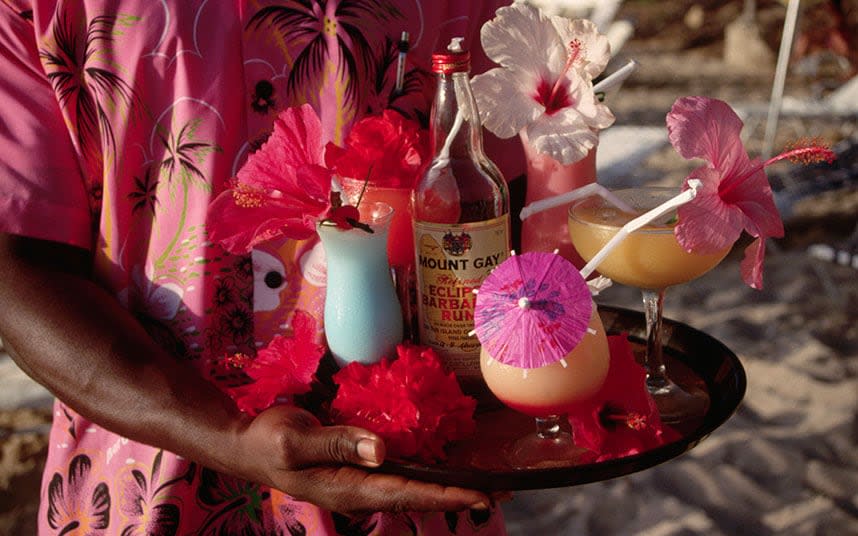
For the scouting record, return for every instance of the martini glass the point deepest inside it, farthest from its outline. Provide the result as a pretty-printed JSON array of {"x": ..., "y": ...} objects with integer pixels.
[
  {"x": 547, "y": 393},
  {"x": 652, "y": 260}
]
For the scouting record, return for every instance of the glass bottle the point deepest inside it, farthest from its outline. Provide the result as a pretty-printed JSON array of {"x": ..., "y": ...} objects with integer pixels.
[{"x": 460, "y": 209}]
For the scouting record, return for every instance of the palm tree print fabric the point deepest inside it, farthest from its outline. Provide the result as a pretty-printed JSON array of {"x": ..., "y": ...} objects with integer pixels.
[{"x": 121, "y": 120}]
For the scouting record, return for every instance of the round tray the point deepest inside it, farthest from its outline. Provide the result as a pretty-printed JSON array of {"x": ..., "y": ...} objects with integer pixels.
[{"x": 691, "y": 357}]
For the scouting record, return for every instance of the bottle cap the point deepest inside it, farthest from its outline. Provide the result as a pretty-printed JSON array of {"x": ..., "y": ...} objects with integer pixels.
[{"x": 454, "y": 60}]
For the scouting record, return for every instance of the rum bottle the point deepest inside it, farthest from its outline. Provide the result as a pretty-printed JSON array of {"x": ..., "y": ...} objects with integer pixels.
[{"x": 460, "y": 208}]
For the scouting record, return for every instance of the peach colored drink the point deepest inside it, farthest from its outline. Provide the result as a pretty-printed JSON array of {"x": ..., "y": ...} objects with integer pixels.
[
  {"x": 552, "y": 389},
  {"x": 649, "y": 258}
]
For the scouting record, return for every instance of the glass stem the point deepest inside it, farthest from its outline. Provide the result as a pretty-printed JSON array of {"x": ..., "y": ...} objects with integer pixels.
[
  {"x": 548, "y": 427},
  {"x": 653, "y": 301}
]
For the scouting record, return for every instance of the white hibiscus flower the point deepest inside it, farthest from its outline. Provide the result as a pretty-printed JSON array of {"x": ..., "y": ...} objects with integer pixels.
[{"x": 544, "y": 85}]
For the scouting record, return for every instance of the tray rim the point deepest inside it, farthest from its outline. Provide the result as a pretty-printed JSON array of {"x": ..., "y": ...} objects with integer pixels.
[{"x": 544, "y": 478}]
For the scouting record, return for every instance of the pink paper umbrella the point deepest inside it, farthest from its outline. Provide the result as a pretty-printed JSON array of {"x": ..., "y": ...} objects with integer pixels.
[{"x": 532, "y": 310}]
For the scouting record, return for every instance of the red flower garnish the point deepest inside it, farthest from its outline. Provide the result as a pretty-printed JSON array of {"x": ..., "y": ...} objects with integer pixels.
[
  {"x": 343, "y": 217},
  {"x": 736, "y": 194},
  {"x": 388, "y": 148},
  {"x": 622, "y": 419},
  {"x": 411, "y": 402},
  {"x": 282, "y": 190},
  {"x": 285, "y": 367}
]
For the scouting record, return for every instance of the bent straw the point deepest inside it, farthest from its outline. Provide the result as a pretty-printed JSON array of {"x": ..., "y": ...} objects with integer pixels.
[
  {"x": 616, "y": 78},
  {"x": 577, "y": 193},
  {"x": 443, "y": 158},
  {"x": 598, "y": 284},
  {"x": 694, "y": 186}
]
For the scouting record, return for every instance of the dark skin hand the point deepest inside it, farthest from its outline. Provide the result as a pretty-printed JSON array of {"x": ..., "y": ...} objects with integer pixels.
[{"x": 74, "y": 338}]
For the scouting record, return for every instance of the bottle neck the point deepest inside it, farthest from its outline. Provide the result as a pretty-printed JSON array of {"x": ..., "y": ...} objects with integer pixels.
[{"x": 454, "y": 125}]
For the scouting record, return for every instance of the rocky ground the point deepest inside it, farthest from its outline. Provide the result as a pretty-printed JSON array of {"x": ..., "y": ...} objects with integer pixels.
[{"x": 787, "y": 462}]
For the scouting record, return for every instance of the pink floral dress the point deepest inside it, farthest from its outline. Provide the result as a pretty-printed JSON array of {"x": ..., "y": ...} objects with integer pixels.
[{"x": 121, "y": 120}]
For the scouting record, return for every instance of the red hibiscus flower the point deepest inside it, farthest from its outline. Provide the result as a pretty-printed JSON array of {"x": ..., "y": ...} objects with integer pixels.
[
  {"x": 411, "y": 402},
  {"x": 388, "y": 148},
  {"x": 622, "y": 419},
  {"x": 282, "y": 190}
]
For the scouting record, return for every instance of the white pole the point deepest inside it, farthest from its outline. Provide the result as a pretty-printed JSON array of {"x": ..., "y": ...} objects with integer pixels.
[{"x": 780, "y": 78}]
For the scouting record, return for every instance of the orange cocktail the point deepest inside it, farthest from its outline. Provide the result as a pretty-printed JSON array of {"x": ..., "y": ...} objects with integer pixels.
[
  {"x": 651, "y": 259},
  {"x": 648, "y": 258}
]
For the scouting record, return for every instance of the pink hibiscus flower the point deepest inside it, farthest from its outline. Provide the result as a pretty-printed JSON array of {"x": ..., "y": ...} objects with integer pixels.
[
  {"x": 544, "y": 84},
  {"x": 736, "y": 194}
]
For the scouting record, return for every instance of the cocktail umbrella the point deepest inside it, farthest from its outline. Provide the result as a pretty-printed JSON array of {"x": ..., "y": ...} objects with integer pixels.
[{"x": 532, "y": 310}]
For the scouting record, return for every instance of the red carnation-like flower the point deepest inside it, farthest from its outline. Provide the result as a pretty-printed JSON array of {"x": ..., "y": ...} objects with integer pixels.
[
  {"x": 388, "y": 148},
  {"x": 411, "y": 402},
  {"x": 286, "y": 367}
]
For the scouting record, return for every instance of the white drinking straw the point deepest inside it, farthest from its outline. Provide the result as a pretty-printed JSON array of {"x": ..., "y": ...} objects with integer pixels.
[
  {"x": 694, "y": 186},
  {"x": 443, "y": 158},
  {"x": 568, "y": 197},
  {"x": 616, "y": 78},
  {"x": 598, "y": 284}
]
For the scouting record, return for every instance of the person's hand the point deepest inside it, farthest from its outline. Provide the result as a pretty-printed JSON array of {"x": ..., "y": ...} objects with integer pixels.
[{"x": 287, "y": 448}]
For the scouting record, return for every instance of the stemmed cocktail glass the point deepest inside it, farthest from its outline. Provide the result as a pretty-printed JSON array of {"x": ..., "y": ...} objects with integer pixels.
[
  {"x": 548, "y": 393},
  {"x": 544, "y": 350},
  {"x": 652, "y": 260}
]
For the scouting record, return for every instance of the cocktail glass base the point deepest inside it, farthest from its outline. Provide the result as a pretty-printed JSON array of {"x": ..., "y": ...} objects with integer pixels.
[
  {"x": 549, "y": 446},
  {"x": 678, "y": 403}
]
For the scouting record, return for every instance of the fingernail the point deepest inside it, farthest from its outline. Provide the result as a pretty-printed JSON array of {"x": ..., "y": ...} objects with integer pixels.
[
  {"x": 479, "y": 506},
  {"x": 367, "y": 449}
]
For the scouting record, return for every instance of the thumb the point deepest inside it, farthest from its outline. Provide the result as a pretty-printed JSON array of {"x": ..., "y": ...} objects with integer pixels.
[{"x": 323, "y": 445}]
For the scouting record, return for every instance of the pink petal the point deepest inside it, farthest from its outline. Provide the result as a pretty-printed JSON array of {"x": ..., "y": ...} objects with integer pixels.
[
  {"x": 752, "y": 264},
  {"x": 240, "y": 229},
  {"x": 564, "y": 136},
  {"x": 505, "y": 100},
  {"x": 295, "y": 142},
  {"x": 521, "y": 36},
  {"x": 597, "y": 115},
  {"x": 700, "y": 127},
  {"x": 707, "y": 224},
  {"x": 753, "y": 196},
  {"x": 596, "y": 47}
]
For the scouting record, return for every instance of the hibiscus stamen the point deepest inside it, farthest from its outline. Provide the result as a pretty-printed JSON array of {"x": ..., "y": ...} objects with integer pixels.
[
  {"x": 613, "y": 415},
  {"x": 576, "y": 50},
  {"x": 632, "y": 420},
  {"x": 247, "y": 196},
  {"x": 806, "y": 151},
  {"x": 237, "y": 361}
]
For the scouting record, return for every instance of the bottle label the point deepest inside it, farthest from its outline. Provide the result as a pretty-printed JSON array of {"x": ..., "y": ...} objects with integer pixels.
[{"x": 452, "y": 261}]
